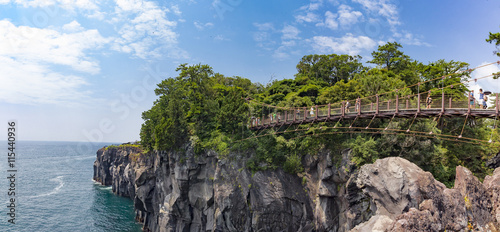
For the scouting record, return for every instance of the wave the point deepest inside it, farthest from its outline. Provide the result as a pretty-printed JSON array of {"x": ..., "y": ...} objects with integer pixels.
[
  {"x": 85, "y": 157},
  {"x": 57, "y": 189},
  {"x": 102, "y": 187}
]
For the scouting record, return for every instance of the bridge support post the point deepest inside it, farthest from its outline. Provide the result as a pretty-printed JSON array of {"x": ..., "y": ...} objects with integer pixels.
[
  {"x": 496, "y": 105},
  {"x": 442, "y": 102},
  {"x": 359, "y": 106},
  {"x": 305, "y": 113},
  {"x": 407, "y": 102},
  {"x": 329, "y": 110},
  {"x": 343, "y": 109},
  {"x": 317, "y": 113},
  {"x": 376, "y": 110},
  {"x": 397, "y": 102},
  {"x": 450, "y": 103},
  {"x": 418, "y": 103},
  {"x": 294, "y": 114},
  {"x": 468, "y": 104}
]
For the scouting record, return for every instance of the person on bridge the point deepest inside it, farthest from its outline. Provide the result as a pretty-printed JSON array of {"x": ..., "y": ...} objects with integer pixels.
[
  {"x": 472, "y": 100},
  {"x": 358, "y": 104},
  {"x": 481, "y": 98},
  {"x": 484, "y": 102},
  {"x": 312, "y": 112},
  {"x": 428, "y": 101},
  {"x": 347, "y": 105}
]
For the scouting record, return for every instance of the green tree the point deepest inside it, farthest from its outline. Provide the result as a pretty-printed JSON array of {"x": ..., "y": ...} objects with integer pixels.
[
  {"x": 455, "y": 72},
  {"x": 388, "y": 56},
  {"x": 341, "y": 91},
  {"x": 494, "y": 38},
  {"x": 330, "y": 68}
]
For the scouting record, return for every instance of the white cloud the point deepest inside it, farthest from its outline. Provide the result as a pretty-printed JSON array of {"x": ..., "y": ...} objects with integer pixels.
[
  {"x": 263, "y": 35},
  {"x": 409, "y": 39},
  {"x": 345, "y": 45},
  {"x": 4, "y": 2},
  {"x": 26, "y": 82},
  {"x": 288, "y": 43},
  {"x": 175, "y": 9},
  {"x": 221, "y": 38},
  {"x": 281, "y": 53},
  {"x": 314, "y": 5},
  {"x": 50, "y": 46},
  {"x": 74, "y": 26},
  {"x": 264, "y": 26},
  {"x": 149, "y": 33},
  {"x": 330, "y": 21},
  {"x": 309, "y": 17},
  {"x": 28, "y": 57},
  {"x": 290, "y": 32},
  {"x": 383, "y": 8},
  {"x": 347, "y": 16},
  {"x": 66, "y": 4},
  {"x": 203, "y": 26}
]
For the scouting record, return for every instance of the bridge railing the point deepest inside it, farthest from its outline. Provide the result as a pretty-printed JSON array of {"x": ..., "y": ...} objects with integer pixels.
[{"x": 371, "y": 105}]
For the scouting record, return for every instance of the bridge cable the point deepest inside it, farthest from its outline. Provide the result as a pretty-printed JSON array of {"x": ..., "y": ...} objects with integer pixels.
[
  {"x": 463, "y": 127},
  {"x": 388, "y": 133},
  {"x": 388, "y": 124},
  {"x": 402, "y": 132},
  {"x": 353, "y": 121},
  {"x": 408, "y": 130},
  {"x": 372, "y": 121},
  {"x": 493, "y": 129}
]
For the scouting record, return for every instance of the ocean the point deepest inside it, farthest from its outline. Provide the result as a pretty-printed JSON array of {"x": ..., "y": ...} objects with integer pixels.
[{"x": 55, "y": 191}]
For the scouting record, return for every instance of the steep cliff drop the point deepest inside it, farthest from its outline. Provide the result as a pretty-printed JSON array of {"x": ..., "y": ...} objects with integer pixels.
[{"x": 181, "y": 191}]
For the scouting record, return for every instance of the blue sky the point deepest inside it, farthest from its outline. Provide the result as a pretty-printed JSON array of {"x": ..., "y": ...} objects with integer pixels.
[{"x": 84, "y": 70}]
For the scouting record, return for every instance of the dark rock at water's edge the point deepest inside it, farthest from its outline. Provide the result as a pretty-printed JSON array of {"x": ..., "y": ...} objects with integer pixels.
[{"x": 181, "y": 191}]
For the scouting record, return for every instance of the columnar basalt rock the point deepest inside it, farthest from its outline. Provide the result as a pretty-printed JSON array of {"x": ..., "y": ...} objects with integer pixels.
[{"x": 181, "y": 191}]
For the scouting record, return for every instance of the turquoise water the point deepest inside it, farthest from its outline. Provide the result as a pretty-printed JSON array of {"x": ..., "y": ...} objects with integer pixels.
[{"x": 55, "y": 191}]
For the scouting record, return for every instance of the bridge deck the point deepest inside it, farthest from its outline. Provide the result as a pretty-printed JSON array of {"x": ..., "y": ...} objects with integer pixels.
[{"x": 404, "y": 113}]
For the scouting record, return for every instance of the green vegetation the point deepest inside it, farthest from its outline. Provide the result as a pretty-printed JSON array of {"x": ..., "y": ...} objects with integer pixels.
[
  {"x": 494, "y": 38},
  {"x": 138, "y": 146},
  {"x": 209, "y": 110}
]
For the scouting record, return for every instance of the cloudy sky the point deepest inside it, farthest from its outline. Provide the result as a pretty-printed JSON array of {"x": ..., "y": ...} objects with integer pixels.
[{"x": 84, "y": 70}]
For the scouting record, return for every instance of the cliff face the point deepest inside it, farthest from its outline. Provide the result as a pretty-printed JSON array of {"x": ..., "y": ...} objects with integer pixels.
[{"x": 188, "y": 192}]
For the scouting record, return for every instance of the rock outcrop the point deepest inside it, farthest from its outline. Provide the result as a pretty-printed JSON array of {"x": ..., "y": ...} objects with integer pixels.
[{"x": 181, "y": 191}]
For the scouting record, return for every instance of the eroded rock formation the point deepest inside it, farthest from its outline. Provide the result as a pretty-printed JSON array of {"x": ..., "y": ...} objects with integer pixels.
[{"x": 181, "y": 191}]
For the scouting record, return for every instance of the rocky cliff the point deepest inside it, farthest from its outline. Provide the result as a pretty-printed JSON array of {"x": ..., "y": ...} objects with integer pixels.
[{"x": 181, "y": 191}]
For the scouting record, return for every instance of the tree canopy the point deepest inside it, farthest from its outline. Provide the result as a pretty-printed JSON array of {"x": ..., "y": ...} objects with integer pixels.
[{"x": 210, "y": 111}]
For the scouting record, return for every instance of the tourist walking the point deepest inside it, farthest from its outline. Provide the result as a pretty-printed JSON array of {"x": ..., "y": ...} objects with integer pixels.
[
  {"x": 481, "y": 98},
  {"x": 428, "y": 100},
  {"x": 471, "y": 99},
  {"x": 347, "y": 105}
]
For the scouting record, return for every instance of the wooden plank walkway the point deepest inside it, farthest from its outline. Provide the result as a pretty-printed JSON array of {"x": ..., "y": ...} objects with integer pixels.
[
  {"x": 387, "y": 109},
  {"x": 424, "y": 113}
]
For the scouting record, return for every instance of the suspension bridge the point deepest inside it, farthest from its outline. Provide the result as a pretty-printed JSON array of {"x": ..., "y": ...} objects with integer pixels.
[{"x": 434, "y": 103}]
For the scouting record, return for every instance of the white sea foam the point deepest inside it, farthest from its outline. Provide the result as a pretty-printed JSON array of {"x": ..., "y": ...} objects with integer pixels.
[
  {"x": 85, "y": 157},
  {"x": 57, "y": 189}
]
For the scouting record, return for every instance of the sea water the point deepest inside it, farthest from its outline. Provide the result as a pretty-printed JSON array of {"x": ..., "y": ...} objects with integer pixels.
[{"x": 55, "y": 190}]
